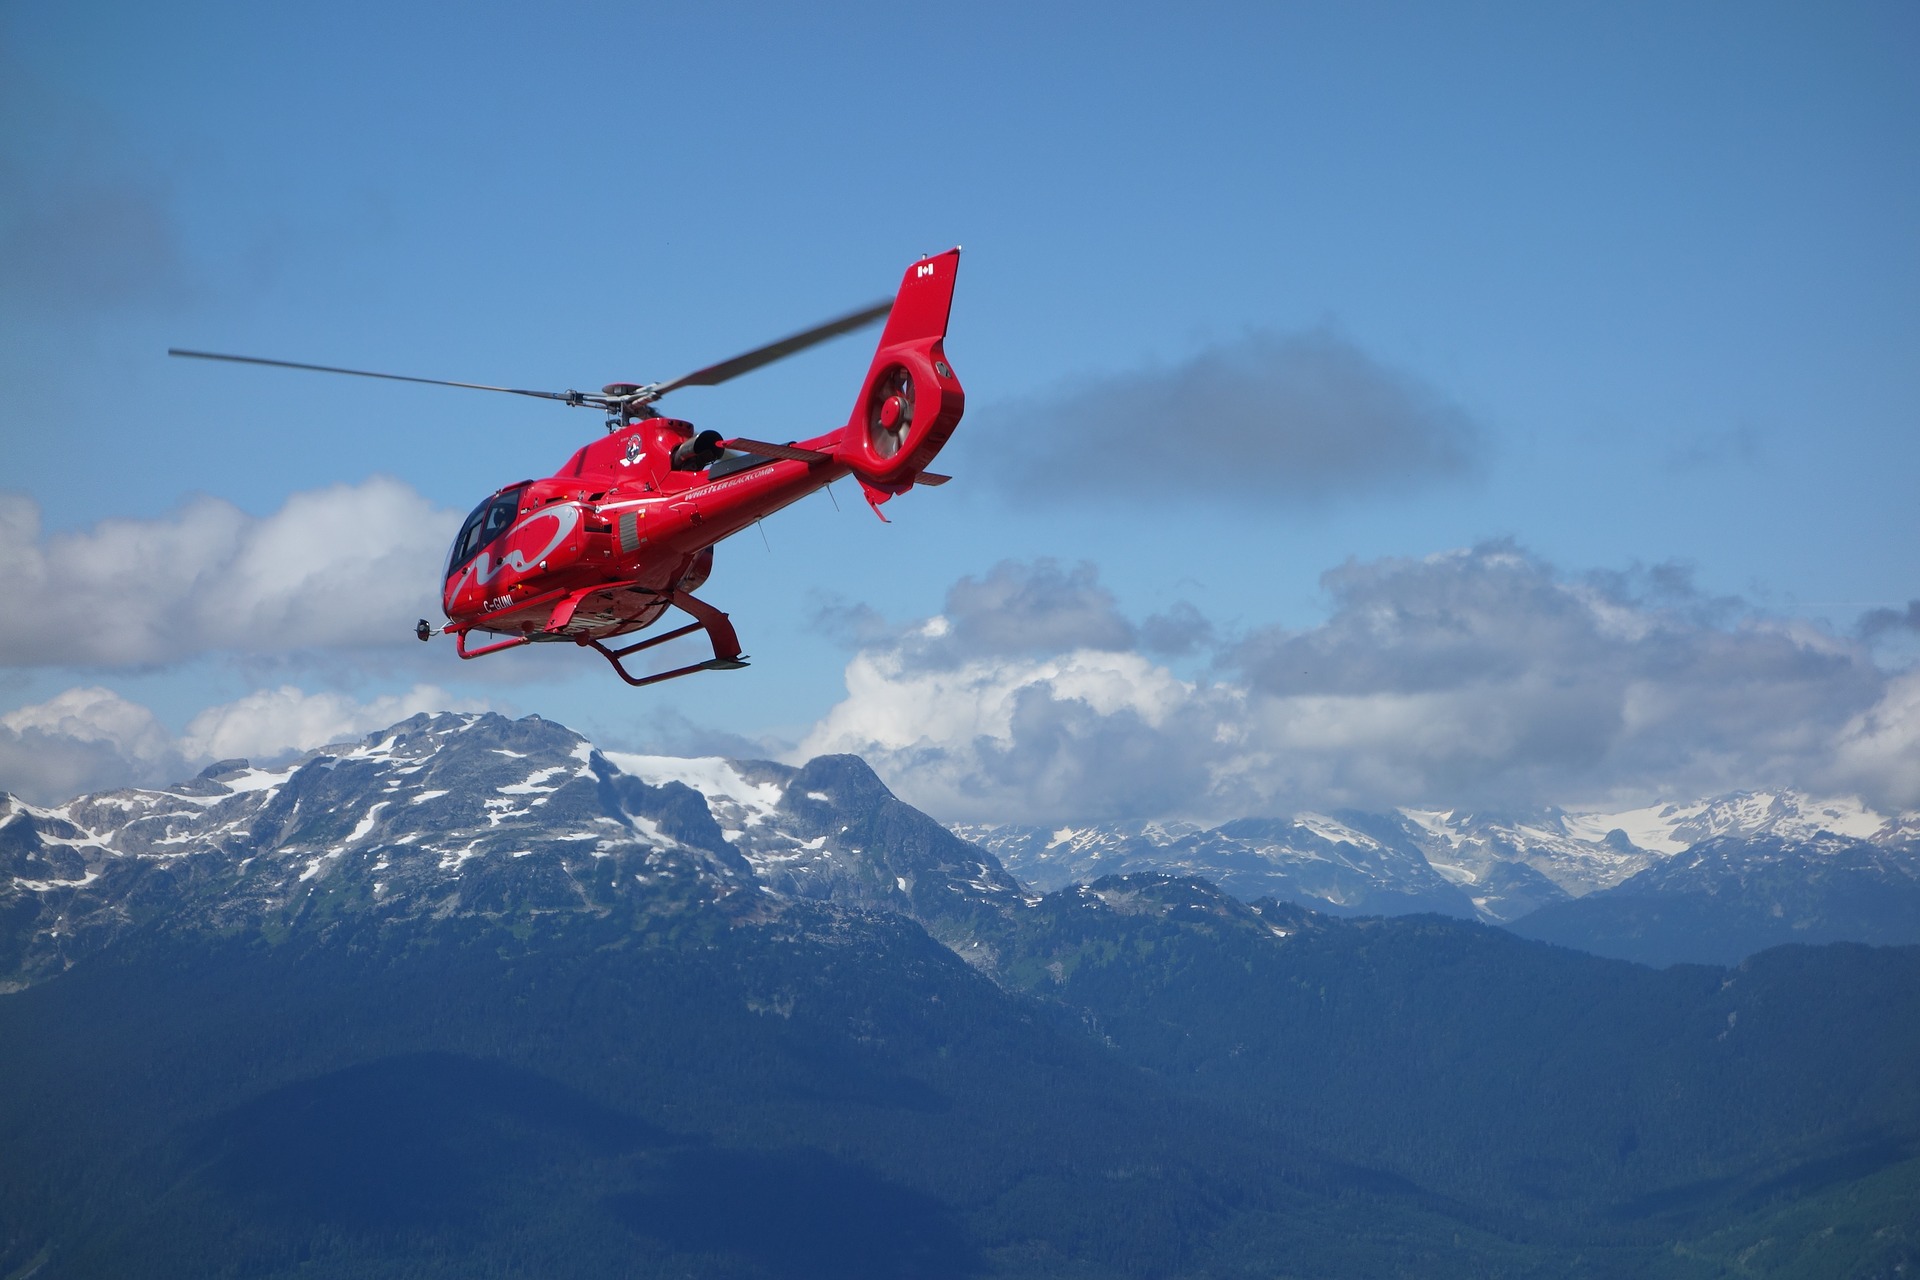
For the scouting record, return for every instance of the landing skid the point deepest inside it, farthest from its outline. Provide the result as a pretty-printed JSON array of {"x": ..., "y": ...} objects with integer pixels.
[{"x": 726, "y": 645}]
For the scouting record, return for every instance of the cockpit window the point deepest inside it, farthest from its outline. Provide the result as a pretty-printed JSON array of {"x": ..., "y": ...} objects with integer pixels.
[{"x": 489, "y": 520}]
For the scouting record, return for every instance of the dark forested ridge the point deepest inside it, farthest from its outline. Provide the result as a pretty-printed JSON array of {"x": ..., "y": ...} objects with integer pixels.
[{"x": 463, "y": 1041}]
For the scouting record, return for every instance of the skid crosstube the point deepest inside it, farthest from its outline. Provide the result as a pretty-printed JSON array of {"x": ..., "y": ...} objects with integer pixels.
[{"x": 726, "y": 645}]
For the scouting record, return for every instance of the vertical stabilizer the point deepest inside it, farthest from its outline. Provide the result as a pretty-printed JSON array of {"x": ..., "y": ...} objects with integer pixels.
[{"x": 911, "y": 400}]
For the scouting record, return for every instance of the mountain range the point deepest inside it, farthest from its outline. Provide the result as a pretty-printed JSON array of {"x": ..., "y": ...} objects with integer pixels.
[
  {"x": 472, "y": 997},
  {"x": 1709, "y": 881}
]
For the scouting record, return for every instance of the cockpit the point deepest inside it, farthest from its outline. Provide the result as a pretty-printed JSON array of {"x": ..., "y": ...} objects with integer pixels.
[{"x": 489, "y": 520}]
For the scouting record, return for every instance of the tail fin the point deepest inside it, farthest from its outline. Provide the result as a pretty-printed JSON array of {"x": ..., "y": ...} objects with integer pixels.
[{"x": 911, "y": 401}]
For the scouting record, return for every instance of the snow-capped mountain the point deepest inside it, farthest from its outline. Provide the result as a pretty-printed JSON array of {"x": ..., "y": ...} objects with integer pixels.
[
  {"x": 477, "y": 815},
  {"x": 1584, "y": 851},
  {"x": 831, "y": 831},
  {"x": 1498, "y": 867},
  {"x": 1323, "y": 861},
  {"x": 454, "y": 814}
]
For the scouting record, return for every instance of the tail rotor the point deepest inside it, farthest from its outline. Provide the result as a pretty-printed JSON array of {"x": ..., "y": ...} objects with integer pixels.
[{"x": 890, "y": 411}]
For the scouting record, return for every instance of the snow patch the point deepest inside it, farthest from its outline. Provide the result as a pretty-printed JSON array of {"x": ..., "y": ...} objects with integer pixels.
[
  {"x": 365, "y": 825},
  {"x": 1437, "y": 823},
  {"x": 534, "y": 785},
  {"x": 252, "y": 779},
  {"x": 1333, "y": 832},
  {"x": 453, "y": 860},
  {"x": 1652, "y": 828},
  {"x": 650, "y": 831},
  {"x": 712, "y": 776},
  {"x": 315, "y": 863},
  {"x": 42, "y": 886}
]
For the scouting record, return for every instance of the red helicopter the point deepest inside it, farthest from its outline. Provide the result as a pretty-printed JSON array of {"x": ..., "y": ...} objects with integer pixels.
[{"x": 626, "y": 528}]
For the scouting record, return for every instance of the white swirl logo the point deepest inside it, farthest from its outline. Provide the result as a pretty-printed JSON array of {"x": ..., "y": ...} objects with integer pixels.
[{"x": 484, "y": 569}]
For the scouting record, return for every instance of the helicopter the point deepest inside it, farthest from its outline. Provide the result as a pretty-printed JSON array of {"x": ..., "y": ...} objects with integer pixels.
[{"x": 625, "y": 530}]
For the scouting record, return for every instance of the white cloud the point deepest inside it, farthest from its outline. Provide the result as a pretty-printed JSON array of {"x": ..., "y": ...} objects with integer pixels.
[
  {"x": 85, "y": 739},
  {"x": 1878, "y": 751},
  {"x": 95, "y": 715},
  {"x": 344, "y": 566},
  {"x": 92, "y": 739},
  {"x": 274, "y": 722},
  {"x": 1480, "y": 677}
]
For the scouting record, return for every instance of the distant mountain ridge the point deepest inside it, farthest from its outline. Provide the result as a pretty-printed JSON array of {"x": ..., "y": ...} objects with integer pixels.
[
  {"x": 1729, "y": 897},
  {"x": 1360, "y": 863}
]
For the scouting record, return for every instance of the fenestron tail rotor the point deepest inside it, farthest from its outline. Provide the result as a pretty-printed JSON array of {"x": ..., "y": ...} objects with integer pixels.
[
  {"x": 890, "y": 411},
  {"x": 621, "y": 400}
]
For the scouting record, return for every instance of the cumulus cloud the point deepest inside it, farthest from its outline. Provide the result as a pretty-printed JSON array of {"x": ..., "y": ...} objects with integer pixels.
[
  {"x": 345, "y": 566},
  {"x": 1020, "y": 609},
  {"x": 85, "y": 739},
  {"x": 275, "y": 722},
  {"x": 1299, "y": 416},
  {"x": 1878, "y": 751},
  {"x": 1041, "y": 608},
  {"x": 1491, "y": 678},
  {"x": 92, "y": 739},
  {"x": 1482, "y": 678}
]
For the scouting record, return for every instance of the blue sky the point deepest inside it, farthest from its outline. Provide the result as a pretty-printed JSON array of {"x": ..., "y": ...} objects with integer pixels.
[{"x": 1631, "y": 291}]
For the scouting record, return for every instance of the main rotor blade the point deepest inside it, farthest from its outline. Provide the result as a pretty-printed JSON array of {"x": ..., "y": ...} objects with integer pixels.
[
  {"x": 714, "y": 374},
  {"x": 764, "y": 449},
  {"x": 569, "y": 397}
]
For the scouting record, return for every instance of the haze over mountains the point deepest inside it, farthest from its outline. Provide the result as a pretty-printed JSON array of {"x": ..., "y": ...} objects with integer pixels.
[{"x": 470, "y": 996}]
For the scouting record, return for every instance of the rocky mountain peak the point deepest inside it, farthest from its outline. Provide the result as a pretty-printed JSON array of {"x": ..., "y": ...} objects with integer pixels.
[{"x": 477, "y": 814}]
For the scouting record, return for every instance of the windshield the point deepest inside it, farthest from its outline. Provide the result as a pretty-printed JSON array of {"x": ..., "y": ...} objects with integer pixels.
[{"x": 489, "y": 520}]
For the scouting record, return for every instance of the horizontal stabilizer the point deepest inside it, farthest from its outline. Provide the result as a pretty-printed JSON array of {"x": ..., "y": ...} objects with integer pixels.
[
  {"x": 762, "y": 449},
  {"x": 931, "y": 478}
]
